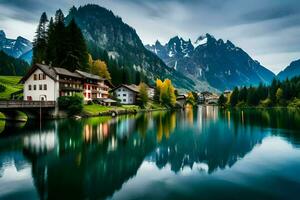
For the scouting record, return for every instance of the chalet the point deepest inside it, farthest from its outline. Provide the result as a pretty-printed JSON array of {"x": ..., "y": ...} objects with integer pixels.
[
  {"x": 94, "y": 87},
  {"x": 127, "y": 94},
  {"x": 47, "y": 83}
]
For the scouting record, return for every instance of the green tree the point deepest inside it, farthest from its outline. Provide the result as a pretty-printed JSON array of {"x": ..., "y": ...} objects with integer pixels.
[
  {"x": 279, "y": 95},
  {"x": 143, "y": 95},
  {"x": 234, "y": 97},
  {"x": 243, "y": 95},
  {"x": 72, "y": 104},
  {"x": 40, "y": 40},
  {"x": 76, "y": 50},
  {"x": 222, "y": 100}
]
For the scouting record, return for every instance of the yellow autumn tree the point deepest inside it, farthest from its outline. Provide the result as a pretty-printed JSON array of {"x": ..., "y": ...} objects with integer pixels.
[
  {"x": 99, "y": 67},
  {"x": 158, "y": 85},
  {"x": 190, "y": 98},
  {"x": 167, "y": 93}
]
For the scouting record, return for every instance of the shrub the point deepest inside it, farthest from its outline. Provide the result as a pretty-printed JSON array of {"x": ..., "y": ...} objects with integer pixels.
[
  {"x": 2, "y": 88},
  {"x": 266, "y": 103},
  {"x": 72, "y": 104}
]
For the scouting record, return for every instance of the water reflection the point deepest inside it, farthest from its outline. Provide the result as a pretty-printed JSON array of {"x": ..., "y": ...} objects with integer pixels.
[{"x": 96, "y": 156}]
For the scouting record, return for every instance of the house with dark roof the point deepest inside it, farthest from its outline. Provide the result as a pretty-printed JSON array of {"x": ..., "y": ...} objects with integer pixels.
[
  {"x": 47, "y": 83},
  {"x": 94, "y": 87},
  {"x": 127, "y": 94}
]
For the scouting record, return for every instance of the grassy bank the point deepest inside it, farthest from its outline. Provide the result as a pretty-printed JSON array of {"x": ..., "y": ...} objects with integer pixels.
[
  {"x": 95, "y": 109},
  {"x": 11, "y": 85}
]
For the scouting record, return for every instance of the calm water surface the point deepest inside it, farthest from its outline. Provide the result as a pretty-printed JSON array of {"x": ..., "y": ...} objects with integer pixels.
[{"x": 205, "y": 153}]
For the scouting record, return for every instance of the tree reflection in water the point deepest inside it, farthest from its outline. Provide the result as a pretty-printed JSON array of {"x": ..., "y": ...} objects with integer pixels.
[{"x": 92, "y": 158}]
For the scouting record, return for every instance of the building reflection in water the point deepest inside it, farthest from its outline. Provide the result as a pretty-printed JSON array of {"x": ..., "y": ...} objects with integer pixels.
[{"x": 94, "y": 157}]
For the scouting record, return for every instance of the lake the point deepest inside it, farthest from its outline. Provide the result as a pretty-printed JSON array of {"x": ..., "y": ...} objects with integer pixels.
[{"x": 203, "y": 153}]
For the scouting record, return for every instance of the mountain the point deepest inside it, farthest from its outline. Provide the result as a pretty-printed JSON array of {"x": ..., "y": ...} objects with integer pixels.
[
  {"x": 10, "y": 66},
  {"x": 27, "y": 56},
  {"x": 290, "y": 71},
  {"x": 221, "y": 64},
  {"x": 105, "y": 31},
  {"x": 15, "y": 47}
]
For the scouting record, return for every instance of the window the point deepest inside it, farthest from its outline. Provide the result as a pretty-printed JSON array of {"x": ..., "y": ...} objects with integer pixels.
[
  {"x": 119, "y": 90},
  {"x": 34, "y": 87},
  {"x": 119, "y": 95},
  {"x": 84, "y": 94},
  {"x": 29, "y": 87},
  {"x": 124, "y": 95},
  {"x": 34, "y": 77},
  {"x": 124, "y": 100},
  {"x": 44, "y": 76},
  {"x": 45, "y": 87},
  {"x": 89, "y": 95},
  {"x": 123, "y": 90},
  {"x": 40, "y": 87}
]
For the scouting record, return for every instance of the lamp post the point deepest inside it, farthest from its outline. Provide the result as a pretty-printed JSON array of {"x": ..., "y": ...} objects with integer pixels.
[{"x": 41, "y": 110}]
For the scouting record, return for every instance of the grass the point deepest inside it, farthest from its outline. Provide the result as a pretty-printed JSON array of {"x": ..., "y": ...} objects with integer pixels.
[
  {"x": 95, "y": 109},
  {"x": 11, "y": 84}
]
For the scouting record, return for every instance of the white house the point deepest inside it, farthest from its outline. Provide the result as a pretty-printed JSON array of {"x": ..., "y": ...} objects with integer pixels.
[
  {"x": 46, "y": 83},
  {"x": 40, "y": 84},
  {"x": 127, "y": 94}
]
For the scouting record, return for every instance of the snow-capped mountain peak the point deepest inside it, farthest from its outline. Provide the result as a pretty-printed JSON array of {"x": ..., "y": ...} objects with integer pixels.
[
  {"x": 14, "y": 47},
  {"x": 200, "y": 41}
]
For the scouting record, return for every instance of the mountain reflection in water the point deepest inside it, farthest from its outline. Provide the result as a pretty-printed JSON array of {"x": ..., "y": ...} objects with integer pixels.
[{"x": 93, "y": 158}]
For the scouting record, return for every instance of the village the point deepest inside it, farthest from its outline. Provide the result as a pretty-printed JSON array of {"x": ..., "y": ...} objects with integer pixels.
[{"x": 47, "y": 83}]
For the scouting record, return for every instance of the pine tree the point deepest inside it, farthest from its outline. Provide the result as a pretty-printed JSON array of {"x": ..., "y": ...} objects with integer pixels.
[
  {"x": 77, "y": 56},
  {"x": 222, "y": 100},
  {"x": 40, "y": 40},
  {"x": 50, "y": 50},
  {"x": 59, "y": 40},
  {"x": 234, "y": 97}
]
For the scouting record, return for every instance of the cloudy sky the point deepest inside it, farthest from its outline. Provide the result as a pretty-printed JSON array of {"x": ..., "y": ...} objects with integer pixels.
[{"x": 269, "y": 30}]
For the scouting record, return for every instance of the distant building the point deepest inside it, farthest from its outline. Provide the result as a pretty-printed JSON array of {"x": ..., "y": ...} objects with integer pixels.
[
  {"x": 208, "y": 97},
  {"x": 227, "y": 93},
  {"x": 151, "y": 92},
  {"x": 127, "y": 94}
]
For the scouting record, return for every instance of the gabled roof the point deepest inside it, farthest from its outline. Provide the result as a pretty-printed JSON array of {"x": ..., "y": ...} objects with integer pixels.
[
  {"x": 65, "y": 72},
  {"x": 49, "y": 71},
  {"x": 88, "y": 75},
  {"x": 133, "y": 88}
]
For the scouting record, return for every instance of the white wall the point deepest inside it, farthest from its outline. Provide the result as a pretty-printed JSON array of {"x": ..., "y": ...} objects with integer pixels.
[
  {"x": 129, "y": 97},
  {"x": 51, "y": 93}
]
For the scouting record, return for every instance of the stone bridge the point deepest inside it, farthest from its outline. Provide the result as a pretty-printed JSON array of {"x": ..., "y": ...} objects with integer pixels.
[{"x": 33, "y": 109}]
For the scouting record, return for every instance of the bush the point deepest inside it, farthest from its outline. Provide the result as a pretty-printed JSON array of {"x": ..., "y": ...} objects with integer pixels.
[
  {"x": 295, "y": 103},
  {"x": 266, "y": 103},
  {"x": 72, "y": 104},
  {"x": 2, "y": 88}
]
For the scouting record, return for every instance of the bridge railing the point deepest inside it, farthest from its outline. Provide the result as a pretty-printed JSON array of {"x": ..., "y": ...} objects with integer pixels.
[{"x": 26, "y": 104}]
